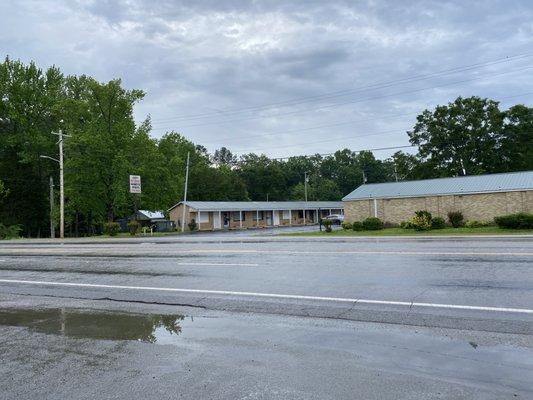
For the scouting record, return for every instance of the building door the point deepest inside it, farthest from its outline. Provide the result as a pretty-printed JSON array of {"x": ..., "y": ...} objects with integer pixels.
[
  {"x": 276, "y": 218},
  {"x": 216, "y": 220},
  {"x": 268, "y": 218},
  {"x": 225, "y": 220}
]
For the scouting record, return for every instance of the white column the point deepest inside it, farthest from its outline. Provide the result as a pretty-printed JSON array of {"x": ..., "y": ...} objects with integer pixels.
[
  {"x": 240, "y": 219},
  {"x": 220, "y": 222},
  {"x": 376, "y": 208},
  {"x": 290, "y": 217},
  {"x": 257, "y": 218},
  {"x": 199, "y": 219},
  {"x": 304, "y": 216}
]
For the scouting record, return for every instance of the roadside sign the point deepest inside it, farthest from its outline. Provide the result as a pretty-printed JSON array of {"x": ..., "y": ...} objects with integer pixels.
[{"x": 135, "y": 184}]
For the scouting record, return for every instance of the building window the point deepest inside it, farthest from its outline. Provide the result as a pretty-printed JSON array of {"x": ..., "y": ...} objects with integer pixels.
[
  {"x": 258, "y": 216},
  {"x": 286, "y": 214},
  {"x": 235, "y": 216},
  {"x": 300, "y": 214},
  {"x": 204, "y": 218}
]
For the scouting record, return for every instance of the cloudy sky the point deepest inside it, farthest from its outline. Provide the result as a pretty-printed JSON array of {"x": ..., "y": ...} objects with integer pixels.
[{"x": 279, "y": 77}]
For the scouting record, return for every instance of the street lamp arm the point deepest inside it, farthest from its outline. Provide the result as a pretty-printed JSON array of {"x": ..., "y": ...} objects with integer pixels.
[{"x": 50, "y": 158}]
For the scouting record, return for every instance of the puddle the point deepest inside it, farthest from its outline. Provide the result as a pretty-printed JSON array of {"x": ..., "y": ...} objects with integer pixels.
[{"x": 90, "y": 325}]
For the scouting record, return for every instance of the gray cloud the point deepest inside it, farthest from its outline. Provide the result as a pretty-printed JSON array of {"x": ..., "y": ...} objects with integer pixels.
[{"x": 206, "y": 64}]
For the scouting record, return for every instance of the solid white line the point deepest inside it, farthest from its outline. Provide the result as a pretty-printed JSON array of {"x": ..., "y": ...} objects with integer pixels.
[
  {"x": 278, "y": 296},
  {"x": 219, "y": 264},
  {"x": 81, "y": 251}
]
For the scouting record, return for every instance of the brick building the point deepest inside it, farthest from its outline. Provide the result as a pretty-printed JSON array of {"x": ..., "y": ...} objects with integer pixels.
[
  {"x": 216, "y": 215},
  {"x": 480, "y": 197}
]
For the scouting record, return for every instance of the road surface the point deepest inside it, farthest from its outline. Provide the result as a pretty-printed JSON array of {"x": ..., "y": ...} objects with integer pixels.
[{"x": 253, "y": 317}]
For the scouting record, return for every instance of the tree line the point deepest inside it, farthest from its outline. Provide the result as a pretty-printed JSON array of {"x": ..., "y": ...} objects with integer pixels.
[{"x": 467, "y": 136}]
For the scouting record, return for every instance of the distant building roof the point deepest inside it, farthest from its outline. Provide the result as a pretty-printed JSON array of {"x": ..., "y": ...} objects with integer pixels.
[
  {"x": 261, "y": 205},
  {"x": 513, "y": 181},
  {"x": 152, "y": 214}
]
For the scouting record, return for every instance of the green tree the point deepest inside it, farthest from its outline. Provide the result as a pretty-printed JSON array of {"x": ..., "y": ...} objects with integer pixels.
[
  {"x": 461, "y": 138},
  {"x": 517, "y": 142},
  {"x": 29, "y": 112},
  {"x": 263, "y": 177},
  {"x": 101, "y": 151}
]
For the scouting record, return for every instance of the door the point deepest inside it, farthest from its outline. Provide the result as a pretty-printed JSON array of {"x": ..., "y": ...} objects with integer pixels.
[
  {"x": 276, "y": 218},
  {"x": 268, "y": 218},
  {"x": 216, "y": 220},
  {"x": 225, "y": 219}
]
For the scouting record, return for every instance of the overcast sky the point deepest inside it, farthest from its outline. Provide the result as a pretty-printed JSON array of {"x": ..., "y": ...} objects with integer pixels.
[{"x": 284, "y": 78}]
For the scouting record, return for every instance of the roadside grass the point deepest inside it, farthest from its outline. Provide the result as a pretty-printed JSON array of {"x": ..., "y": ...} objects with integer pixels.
[{"x": 489, "y": 230}]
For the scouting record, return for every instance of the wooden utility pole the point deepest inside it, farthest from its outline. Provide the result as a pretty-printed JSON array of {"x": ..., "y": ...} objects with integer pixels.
[
  {"x": 185, "y": 193},
  {"x": 52, "y": 228}
]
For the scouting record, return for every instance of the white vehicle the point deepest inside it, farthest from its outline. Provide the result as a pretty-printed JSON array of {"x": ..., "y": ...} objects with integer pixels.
[{"x": 336, "y": 219}]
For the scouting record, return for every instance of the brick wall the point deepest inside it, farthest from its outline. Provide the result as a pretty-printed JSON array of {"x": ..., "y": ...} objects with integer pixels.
[{"x": 483, "y": 207}]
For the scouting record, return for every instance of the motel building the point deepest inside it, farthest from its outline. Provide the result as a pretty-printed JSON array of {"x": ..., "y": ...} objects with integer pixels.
[{"x": 217, "y": 215}]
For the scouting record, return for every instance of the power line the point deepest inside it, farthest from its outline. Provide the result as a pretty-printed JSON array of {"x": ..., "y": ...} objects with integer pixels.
[
  {"x": 344, "y": 137},
  {"x": 353, "y": 151},
  {"x": 386, "y": 117},
  {"x": 377, "y": 85},
  {"x": 352, "y": 101}
]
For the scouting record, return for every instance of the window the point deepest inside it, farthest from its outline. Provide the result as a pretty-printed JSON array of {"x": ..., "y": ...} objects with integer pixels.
[
  {"x": 203, "y": 218},
  {"x": 236, "y": 217},
  {"x": 258, "y": 216},
  {"x": 300, "y": 214},
  {"x": 286, "y": 214}
]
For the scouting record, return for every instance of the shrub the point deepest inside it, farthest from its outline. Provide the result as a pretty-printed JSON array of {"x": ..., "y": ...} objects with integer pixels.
[
  {"x": 111, "y": 228},
  {"x": 133, "y": 227},
  {"x": 421, "y": 221},
  {"x": 192, "y": 225},
  {"x": 476, "y": 224},
  {"x": 456, "y": 218},
  {"x": 515, "y": 221},
  {"x": 9, "y": 232},
  {"x": 388, "y": 224},
  {"x": 358, "y": 226},
  {"x": 346, "y": 226},
  {"x": 327, "y": 224},
  {"x": 372, "y": 224},
  {"x": 406, "y": 225},
  {"x": 438, "y": 223}
]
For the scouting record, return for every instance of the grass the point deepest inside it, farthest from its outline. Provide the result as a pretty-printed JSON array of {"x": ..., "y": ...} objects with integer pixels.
[{"x": 490, "y": 230}]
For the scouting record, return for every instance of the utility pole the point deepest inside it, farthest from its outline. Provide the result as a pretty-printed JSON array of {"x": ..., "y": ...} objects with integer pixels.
[
  {"x": 52, "y": 228},
  {"x": 305, "y": 185},
  {"x": 61, "y": 186},
  {"x": 61, "y": 182},
  {"x": 185, "y": 194}
]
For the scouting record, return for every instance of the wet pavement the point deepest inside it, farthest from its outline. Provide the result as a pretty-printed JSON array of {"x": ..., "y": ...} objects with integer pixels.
[{"x": 254, "y": 317}]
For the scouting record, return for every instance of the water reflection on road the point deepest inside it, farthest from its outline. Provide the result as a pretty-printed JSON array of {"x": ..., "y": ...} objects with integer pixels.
[{"x": 94, "y": 325}]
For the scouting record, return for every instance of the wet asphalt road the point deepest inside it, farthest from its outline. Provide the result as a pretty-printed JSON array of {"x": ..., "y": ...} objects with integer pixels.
[{"x": 269, "y": 317}]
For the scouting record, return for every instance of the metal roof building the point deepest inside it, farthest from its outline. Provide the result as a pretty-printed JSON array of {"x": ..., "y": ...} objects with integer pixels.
[
  {"x": 214, "y": 215},
  {"x": 260, "y": 205},
  {"x": 506, "y": 182},
  {"x": 480, "y": 197}
]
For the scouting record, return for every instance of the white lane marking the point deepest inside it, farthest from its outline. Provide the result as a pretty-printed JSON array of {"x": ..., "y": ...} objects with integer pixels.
[
  {"x": 207, "y": 264},
  {"x": 82, "y": 252},
  {"x": 277, "y": 296}
]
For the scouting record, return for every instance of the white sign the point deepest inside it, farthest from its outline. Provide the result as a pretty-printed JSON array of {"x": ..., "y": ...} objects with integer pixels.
[{"x": 135, "y": 184}]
